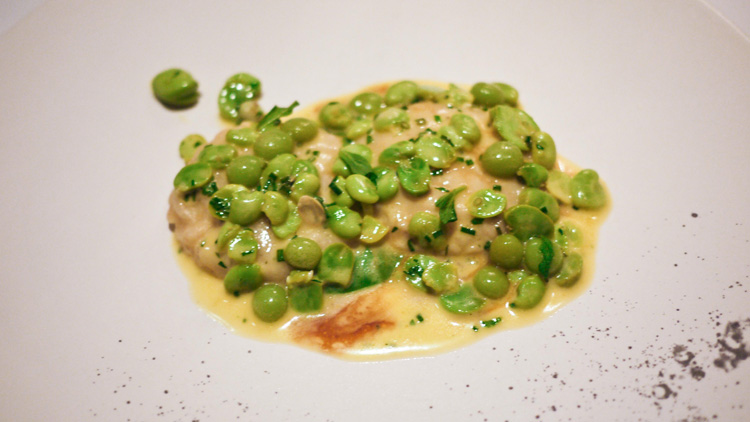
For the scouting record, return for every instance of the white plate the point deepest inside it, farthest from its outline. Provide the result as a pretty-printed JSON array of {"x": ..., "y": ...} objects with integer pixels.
[{"x": 97, "y": 321}]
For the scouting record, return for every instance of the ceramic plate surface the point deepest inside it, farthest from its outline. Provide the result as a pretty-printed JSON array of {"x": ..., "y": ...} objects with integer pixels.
[{"x": 97, "y": 321}]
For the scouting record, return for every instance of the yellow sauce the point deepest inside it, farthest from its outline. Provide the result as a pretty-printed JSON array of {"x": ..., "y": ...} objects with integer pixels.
[{"x": 417, "y": 324}]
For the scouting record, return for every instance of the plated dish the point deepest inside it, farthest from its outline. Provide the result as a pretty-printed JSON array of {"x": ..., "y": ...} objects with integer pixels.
[{"x": 404, "y": 218}]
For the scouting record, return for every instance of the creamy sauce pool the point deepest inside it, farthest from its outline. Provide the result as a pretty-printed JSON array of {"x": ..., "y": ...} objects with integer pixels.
[{"x": 394, "y": 319}]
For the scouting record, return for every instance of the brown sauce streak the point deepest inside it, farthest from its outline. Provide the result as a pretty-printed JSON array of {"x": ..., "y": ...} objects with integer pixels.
[{"x": 364, "y": 316}]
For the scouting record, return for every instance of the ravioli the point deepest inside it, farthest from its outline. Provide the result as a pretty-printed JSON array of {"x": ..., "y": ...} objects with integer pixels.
[{"x": 418, "y": 197}]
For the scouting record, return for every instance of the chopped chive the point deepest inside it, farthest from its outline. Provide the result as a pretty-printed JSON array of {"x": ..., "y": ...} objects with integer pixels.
[
  {"x": 474, "y": 327},
  {"x": 436, "y": 172},
  {"x": 394, "y": 229},
  {"x": 442, "y": 189},
  {"x": 427, "y": 238},
  {"x": 490, "y": 322},
  {"x": 438, "y": 119},
  {"x": 460, "y": 159},
  {"x": 469, "y": 162},
  {"x": 280, "y": 255},
  {"x": 222, "y": 265},
  {"x": 498, "y": 230},
  {"x": 369, "y": 139},
  {"x": 477, "y": 221},
  {"x": 437, "y": 234},
  {"x": 420, "y": 318},
  {"x": 487, "y": 245},
  {"x": 337, "y": 190},
  {"x": 497, "y": 188},
  {"x": 468, "y": 230},
  {"x": 410, "y": 245}
]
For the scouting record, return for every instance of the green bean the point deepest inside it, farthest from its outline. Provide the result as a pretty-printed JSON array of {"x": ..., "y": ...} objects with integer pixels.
[
  {"x": 302, "y": 253},
  {"x": 527, "y": 221},
  {"x": 510, "y": 94},
  {"x": 336, "y": 265},
  {"x": 358, "y": 129},
  {"x": 335, "y": 116},
  {"x": 543, "y": 150},
  {"x": 243, "y": 137},
  {"x": 415, "y": 267},
  {"x": 246, "y": 207},
  {"x": 300, "y": 129},
  {"x": 486, "y": 203},
  {"x": 289, "y": 227},
  {"x": 305, "y": 184},
  {"x": 278, "y": 170},
  {"x": 502, "y": 159},
  {"x": 245, "y": 170},
  {"x": 275, "y": 207},
  {"x": 175, "y": 88},
  {"x": 243, "y": 278},
  {"x": 542, "y": 200},
  {"x": 435, "y": 151},
  {"x": 339, "y": 194},
  {"x": 243, "y": 249},
  {"x": 189, "y": 146},
  {"x": 373, "y": 231},
  {"x": 441, "y": 277},
  {"x": 558, "y": 184},
  {"x": 386, "y": 183},
  {"x": 487, "y": 95},
  {"x": 401, "y": 93},
  {"x": 392, "y": 118},
  {"x": 461, "y": 302},
  {"x": 238, "y": 89},
  {"x": 396, "y": 153},
  {"x": 270, "y": 302},
  {"x": 542, "y": 256},
  {"x": 306, "y": 298},
  {"x": 491, "y": 282},
  {"x": 572, "y": 267},
  {"x": 414, "y": 176},
  {"x": 424, "y": 226},
  {"x": 568, "y": 236},
  {"x": 227, "y": 232},
  {"x": 367, "y": 103},
  {"x": 586, "y": 190},
  {"x": 533, "y": 175},
  {"x": 344, "y": 222},
  {"x": 218, "y": 156},
  {"x": 361, "y": 189},
  {"x": 529, "y": 292},
  {"x": 506, "y": 251},
  {"x": 193, "y": 176},
  {"x": 272, "y": 142},
  {"x": 513, "y": 125}
]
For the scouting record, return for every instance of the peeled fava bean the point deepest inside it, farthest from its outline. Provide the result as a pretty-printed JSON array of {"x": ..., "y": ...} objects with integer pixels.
[
  {"x": 270, "y": 302},
  {"x": 586, "y": 191},
  {"x": 175, "y": 88},
  {"x": 238, "y": 89},
  {"x": 502, "y": 159},
  {"x": 529, "y": 292}
]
